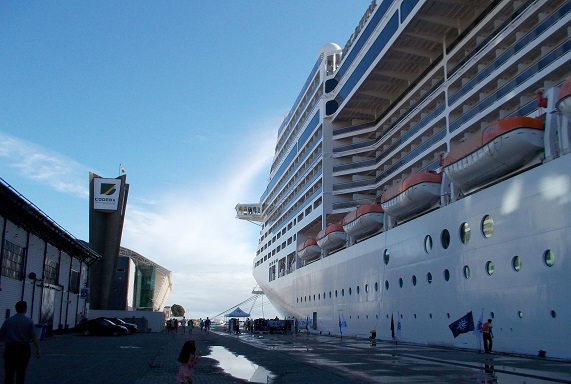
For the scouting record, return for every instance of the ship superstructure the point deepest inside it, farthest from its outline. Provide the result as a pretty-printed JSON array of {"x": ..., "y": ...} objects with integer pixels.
[{"x": 423, "y": 172}]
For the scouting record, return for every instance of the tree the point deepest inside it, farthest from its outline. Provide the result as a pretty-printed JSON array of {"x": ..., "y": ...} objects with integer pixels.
[{"x": 177, "y": 310}]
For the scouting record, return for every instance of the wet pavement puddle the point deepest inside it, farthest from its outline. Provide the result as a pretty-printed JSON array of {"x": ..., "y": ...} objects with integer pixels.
[{"x": 239, "y": 366}]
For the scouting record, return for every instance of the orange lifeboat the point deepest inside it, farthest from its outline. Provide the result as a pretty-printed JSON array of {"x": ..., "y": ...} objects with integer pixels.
[
  {"x": 366, "y": 219},
  {"x": 309, "y": 249},
  {"x": 413, "y": 195},
  {"x": 332, "y": 237},
  {"x": 499, "y": 149}
]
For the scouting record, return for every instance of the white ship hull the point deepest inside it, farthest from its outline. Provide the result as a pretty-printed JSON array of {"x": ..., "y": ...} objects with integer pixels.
[
  {"x": 541, "y": 195},
  {"x": 411, "y": 86}
]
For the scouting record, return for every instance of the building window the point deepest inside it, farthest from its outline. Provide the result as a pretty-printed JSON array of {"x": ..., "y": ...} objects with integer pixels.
[
  {"x": 13, "y": 261},
  {"x": 74, "y": 282},
  {"x": 51, "y": 272}
]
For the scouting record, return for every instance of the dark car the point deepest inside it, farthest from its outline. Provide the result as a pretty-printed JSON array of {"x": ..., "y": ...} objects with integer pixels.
[
  {"x": 130, "y": 326},
  {"x": 101, "y": 326}
]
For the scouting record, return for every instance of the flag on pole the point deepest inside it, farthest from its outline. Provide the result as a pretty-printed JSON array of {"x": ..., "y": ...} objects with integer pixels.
[
  {"x": 398, "y": 325},
  {"x": 478, "y": 328},
  {"x": 462, "y": 325},
  {"x": 392, "y": 327},
  {"x": 342, "y": 324}
]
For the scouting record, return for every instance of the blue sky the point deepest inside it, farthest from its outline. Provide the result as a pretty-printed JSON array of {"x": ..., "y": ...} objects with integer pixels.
[{"x": 186, "y": 95}]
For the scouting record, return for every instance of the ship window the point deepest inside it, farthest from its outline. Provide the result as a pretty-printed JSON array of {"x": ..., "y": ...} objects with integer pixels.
[
  {"x": 342, "y": 291},
  {"x": 429, "y": 277},
  {"x": 386, "y": 256},
  {"x": 415, "y": 315},
  {"x": 400, "y": 282},
  {"x": 330, "y": 294},
  {"x": 553, "y": 314},
  {"x": 386, "y": 284},
  {"x": 520, "y": 314},
  {"x": 490, "y": 268},
  {"x": 516, "y": 263},
  {"x": 323, "y": 295},
  {"x": 430, "y": 315},
  {"x": 414, "y": 280},
  {"x": 445, "y": 239},
  {"x": 446, "y": 275},
  {"x": 549, "y": 258},
  {"x": 314, "y": 297},
  {"x": 465, "y": 233},
  {"x": 358, "y": 290},
  {"x": 366, "y": 287},
  {"x": 492, "y": 315},
  {"x": 376, "y": 287},
  {"x": 447, "y": 314},
  {"x": 335, "y": 293},
  {"x": 350, "y": 291},
  {"x": 428, "y": 244},
  {"x": 487, "y": 226},
  {"x": 466, "y": 272}
]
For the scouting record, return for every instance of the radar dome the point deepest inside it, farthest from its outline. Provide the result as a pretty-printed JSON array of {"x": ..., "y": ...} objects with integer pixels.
[{"x": 328, "y": 48}]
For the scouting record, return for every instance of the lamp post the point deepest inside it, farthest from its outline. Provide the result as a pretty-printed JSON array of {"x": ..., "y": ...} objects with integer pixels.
[{"x": 32, "y": 276}]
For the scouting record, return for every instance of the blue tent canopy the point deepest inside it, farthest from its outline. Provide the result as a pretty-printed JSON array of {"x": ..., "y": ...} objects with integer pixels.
[{"x": 237, "y": 313}]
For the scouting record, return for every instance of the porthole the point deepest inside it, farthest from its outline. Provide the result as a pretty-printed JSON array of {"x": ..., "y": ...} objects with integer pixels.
[
  {"x": 367, "y": 288},
  {"x": 549, "y": 258},
  {"x": 428, "y": 244},
  {"x": 386, "y": 256},
  {"x": 415, "y": 315},
  {"x": 430, "y": 315},
  {"x": 386, "y": 284},
  {"x": 465, "y": 233},
  {"x": 429, "y": 277},
  {"x": 313, "y": 297},
  {"x": 445, "y": 239},
  {"x": 448, "y": 314},
  {"x": 330, "y": 294},
  {"x": 319, "y": 296},
  {"x": 376, "y": 287},
  {"x": 335, "y": 293},
  {"x": 520, "y": 314},
  {"x": 343, "y": 292},
  {"x": 305, "y": 299},
  {"x": 446, "y": 275},
  {"x": 358, "y": 290},
  {"x": 414, "y": 280},
  {"x": 553, "y": 314},
  {"x": 516, "y": 263},
  {"x": 490, "y": 268},
  {"x": 350, "y": 291},
  {"x": 487, "y": 226},
  {"x": 466, "y": 272},
  {"x": 400, "y": 282},
  {"x": 323, "y": 295}
]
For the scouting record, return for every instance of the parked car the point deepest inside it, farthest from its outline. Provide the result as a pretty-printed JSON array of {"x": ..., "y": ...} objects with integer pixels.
[
  {"x": 101, "y": 326},
  {"x": 130, "y": 326}
]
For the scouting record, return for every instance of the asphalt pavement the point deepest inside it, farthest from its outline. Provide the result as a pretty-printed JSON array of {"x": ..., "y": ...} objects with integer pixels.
[{"x": 150, "y": 358}]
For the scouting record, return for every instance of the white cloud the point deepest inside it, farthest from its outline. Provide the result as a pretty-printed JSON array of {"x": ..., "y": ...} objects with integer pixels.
[
  {"x": 194, "y": 233},
  {"x": 36, "y": 163}
]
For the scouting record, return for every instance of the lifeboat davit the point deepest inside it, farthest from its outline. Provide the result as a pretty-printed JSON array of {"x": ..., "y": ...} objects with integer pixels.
[
  {"x": 332, "y": 237},
  {"x": 499, "y": 149},
  {"x": 413, "y": 195},
  {"x": 366, "y": 219},
  {"x": 564, "y": 101},
  {"x": 308, "y": 250}
]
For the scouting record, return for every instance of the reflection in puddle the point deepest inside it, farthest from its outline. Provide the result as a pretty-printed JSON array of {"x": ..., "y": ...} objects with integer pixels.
[{"x": 240, "y": 367}]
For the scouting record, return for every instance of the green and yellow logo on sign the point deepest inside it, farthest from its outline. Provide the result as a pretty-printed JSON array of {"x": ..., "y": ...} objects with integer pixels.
[{"x": 108, "y": 189}]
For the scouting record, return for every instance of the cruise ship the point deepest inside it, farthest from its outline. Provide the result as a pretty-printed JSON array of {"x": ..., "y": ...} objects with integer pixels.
[{"x": 424, "y": 173}]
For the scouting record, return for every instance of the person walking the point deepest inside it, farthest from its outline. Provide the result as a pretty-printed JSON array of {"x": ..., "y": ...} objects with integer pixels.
[
  {"x": 188, "y": 360},
  {"x": 190, "y": 326},
  {"x": 18, "y": 330},
  {"x": 487, "y": 335}
]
